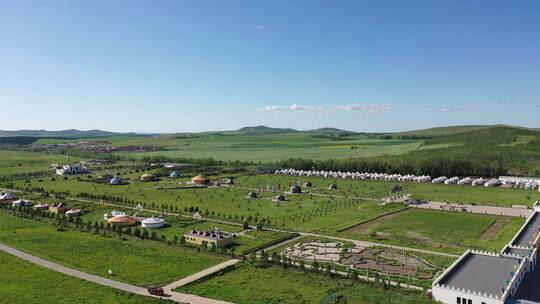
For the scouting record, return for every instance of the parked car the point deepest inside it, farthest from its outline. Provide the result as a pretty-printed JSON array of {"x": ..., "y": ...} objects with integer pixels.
[{"x": 156, "y": 291}]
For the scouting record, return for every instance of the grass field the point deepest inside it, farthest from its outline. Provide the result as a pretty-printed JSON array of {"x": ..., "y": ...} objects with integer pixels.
[
  {"x": 15, "y": 162},
  {"x": 177, "y": 226},
  {"x": 439, "y": 230},
  {"x": 22, "y": 282},
  {"x": 139, "y": 262},
  {"x": 269, "y": 147},
  {"x": 249, "y": 285},
  {"x": 427, "y": 191},
  {"x": 303, "y": 211},
  {"x": 474, "y": 195}
]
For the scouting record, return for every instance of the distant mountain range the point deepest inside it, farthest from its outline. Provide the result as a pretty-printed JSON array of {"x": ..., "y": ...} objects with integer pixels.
[
  {"x": 72, "y": 133},
  {"x": 257, "y": 130}
]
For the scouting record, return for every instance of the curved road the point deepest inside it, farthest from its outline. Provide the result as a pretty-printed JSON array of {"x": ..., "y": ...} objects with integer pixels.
[{"x": 174, "y": 296}]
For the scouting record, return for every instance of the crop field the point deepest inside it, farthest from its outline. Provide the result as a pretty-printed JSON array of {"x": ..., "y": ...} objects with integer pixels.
[
  {"x": 22, "y": 282},
  {"x": 139, "y": 262},
  {"x": 247, "y": 284},
  {"x": 439, "y": 230}
]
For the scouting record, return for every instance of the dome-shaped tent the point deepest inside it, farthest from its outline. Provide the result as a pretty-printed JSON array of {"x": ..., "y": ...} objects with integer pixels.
[
  {"x": 122, "y": 220},
  {"x": 153, "y": 222},
  {"x": 200, "y": 180},
  {"x": 296, "y": 189},
  {"x": 175, "y": 174},
  {"x": 147, "y": 177}
]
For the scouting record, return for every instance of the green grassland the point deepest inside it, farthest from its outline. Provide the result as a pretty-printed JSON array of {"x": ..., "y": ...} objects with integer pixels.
[
  {"x": 139, "y": 262},
  {"x": 16, "y": 162},
  {"x": 22, "y": 282},
  {"x": 426, "y": 191},
  {"x": 177, "y": 225},
  {"x": 268, "y": 147},
  {"x": 474, "y": 195},
  {"x": 303, "y": 211},
  {"x": 247, "y": 284},
  {"x": 439, "y": 230}
]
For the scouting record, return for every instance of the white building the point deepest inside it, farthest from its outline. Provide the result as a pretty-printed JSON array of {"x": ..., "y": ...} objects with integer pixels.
[
  {"x": 492, "y": 183},
  {"x": 72, "y": 169},
  {"x": 8, "y": 196},
  {"x": 507, "y": 277},
  {"x": 438, "y": 180},
  {"x": 465, "y": 181},
  {"x": 153, "y": 222},
  {"x": 113, "y": 213},
  {"x": 452, "y": 180},
  {"x": 21, "y": 203}
]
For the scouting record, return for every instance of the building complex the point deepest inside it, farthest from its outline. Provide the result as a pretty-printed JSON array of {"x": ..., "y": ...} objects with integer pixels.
[{"x": 507, "y": 277}]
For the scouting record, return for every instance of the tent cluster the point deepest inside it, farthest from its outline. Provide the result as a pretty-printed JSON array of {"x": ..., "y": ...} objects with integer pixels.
[
  {"x": 517, "y": 182},
  {"x": 354, "y": 175}
]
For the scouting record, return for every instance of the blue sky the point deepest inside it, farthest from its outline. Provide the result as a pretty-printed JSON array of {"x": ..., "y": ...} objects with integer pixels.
[{"x": 172, "y": 66}]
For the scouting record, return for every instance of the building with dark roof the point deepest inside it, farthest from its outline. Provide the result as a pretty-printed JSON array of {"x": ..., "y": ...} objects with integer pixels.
[{"x": 508, "y": 277}]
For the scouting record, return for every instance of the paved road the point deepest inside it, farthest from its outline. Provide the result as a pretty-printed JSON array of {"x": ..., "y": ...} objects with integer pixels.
[
  {"x": 174, "y": 296},
  {"x": 505, "y": 211},
  {"x": 200, "y": 275}
]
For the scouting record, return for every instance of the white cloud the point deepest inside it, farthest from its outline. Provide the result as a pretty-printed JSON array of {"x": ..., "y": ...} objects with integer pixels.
[
  {"x": 351, "y": 107},
  {"x": 369, "y": 108},
  {"x": 274, "y": 109},
  {"x": 458, "y": 109},
  {"x": 297, "y": 107}
]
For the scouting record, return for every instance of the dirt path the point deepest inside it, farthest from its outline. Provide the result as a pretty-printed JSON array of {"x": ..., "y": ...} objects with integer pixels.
[
  {"x": 200, "y": 275},
  {"x": 174, "y": 296},
  {"x": 494, "y": 229}
]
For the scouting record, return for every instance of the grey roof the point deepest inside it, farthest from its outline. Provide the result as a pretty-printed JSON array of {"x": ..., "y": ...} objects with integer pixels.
[
  {"x": 528, "y": 289},
  {"x": 472, "y": 273},
  {"x": 516, "y": 251},
  {"x": 527, "y": 235}
]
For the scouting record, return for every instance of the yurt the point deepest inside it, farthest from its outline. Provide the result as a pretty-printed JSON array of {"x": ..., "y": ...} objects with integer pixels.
[
  {"x": 200, "y": 180},
  {"x": 115, "y": 180},
  {"x": 41, "y": 206},
  {"x": 74, "y": 212},
  {"x": 280, "y": 198},
  {"x": 153, "y": 222},
  {"x": 21, "y": 203},
  {"x": 175, "y": 174},
  {"x": 296, "y": 189},
  {"x": 8, "y": 196},
  {"x": 147, "y": 177},
  {"x": 122, "y": 220},
  {"x": 113, "y": 213}
]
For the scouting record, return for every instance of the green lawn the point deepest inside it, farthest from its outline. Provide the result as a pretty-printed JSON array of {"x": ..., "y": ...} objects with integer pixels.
[
  {"x": 22, "y": 282},
  {"x": 439, "y": 230},
  {"x": 247, "y": 284},
  {"x": 139, "y": 262}
]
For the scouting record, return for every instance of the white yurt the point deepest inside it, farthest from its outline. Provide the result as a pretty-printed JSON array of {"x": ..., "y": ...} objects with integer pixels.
[{"x": 153, "y": 222}]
